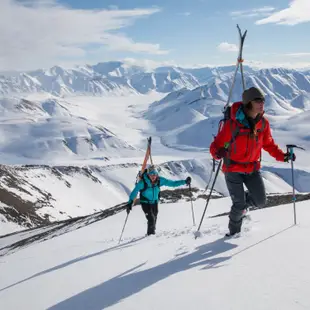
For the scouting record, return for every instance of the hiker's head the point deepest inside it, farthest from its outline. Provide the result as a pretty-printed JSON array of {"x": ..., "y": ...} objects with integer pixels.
[
  {"x": 253, "y": 100},
  {"x": 152, "y": 173}
]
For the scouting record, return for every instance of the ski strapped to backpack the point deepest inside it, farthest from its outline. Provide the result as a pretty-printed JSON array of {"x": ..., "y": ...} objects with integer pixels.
[
  {"x": 146, "y": 159},
  {"x": 226, "y": 112},
  {"x": 239, "y": 64}
]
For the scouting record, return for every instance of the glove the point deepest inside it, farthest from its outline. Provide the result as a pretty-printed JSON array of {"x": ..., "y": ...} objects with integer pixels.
[
  {"x": 129, "y": 207},
  {"x": 188, "y": 180},
  {"x": 221, "y": 152},
  {"x": 288, "y": 156}
]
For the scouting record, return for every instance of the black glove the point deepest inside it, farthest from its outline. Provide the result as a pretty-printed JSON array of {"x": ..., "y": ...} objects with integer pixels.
[
  {"x": 221, "y": 152},
  {"x": 288, "y": 156},
  {"x": 129, "y": 207},
  {"x": 188, "y": 180}
]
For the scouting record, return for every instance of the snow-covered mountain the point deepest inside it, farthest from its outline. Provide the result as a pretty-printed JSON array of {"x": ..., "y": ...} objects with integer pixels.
[
  {"x": 102, "y": 79},
  {"x": 119, "y": 78},
  {"x": 49, "y": 128}
]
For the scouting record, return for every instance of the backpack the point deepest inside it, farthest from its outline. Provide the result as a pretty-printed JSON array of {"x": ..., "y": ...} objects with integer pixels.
[
  {"x": 146, "y": 186},
  {"x": 235, "y": 132}
]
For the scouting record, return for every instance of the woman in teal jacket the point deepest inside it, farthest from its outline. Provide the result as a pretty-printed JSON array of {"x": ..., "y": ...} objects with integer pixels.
[{"x": 149, "y": 188}]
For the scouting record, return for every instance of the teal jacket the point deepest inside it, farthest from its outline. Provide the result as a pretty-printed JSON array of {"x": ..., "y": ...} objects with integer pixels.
[{"x": 150, "y": 195}]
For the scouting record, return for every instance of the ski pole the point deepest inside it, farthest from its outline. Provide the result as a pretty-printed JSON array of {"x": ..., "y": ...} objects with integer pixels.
[
  {"x": 120, "y": 238},
  {"x": 293, "y": 185},
  {"x": 290, "y": 151},
  {"x": 191, "y": 197},
  {"x": 209, "y": 197},
  {"x": 211, "y": 174}
]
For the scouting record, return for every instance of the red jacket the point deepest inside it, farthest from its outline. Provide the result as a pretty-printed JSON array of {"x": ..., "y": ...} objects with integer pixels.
[{"x": 244, "y": 151}]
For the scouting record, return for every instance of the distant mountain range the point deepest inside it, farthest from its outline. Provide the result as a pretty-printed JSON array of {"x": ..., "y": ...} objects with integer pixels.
[{"x": 121, "y": 78}]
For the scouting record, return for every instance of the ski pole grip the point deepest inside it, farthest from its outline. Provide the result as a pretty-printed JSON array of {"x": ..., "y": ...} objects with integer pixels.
[{"x": 290, "y": 149}]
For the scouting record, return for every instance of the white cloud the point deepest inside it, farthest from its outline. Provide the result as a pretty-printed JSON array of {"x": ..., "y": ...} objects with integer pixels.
[
  {"x": 227, "y": 47},
  {"x": 297, "y": 12},
  {"x": 122, "y": 43},
  {"x": 257, "y": 12},
  {"x": 277, "y": 64},
  {"x": 40, "y": 33},
  {"x": 298, "y": 55},
  {"x": 148, "y": 64},
  {"x": 151, "y": 64}
]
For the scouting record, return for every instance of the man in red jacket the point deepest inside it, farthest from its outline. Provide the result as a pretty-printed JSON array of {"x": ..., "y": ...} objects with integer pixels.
[{"x": 240, "y": 142}]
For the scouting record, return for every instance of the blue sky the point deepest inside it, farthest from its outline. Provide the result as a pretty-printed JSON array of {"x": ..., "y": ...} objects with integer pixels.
[{"x": 182, "y": 32}]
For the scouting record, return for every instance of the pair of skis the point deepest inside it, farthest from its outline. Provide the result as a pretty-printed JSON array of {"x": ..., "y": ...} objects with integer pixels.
[{"x": 147, "y": 157}]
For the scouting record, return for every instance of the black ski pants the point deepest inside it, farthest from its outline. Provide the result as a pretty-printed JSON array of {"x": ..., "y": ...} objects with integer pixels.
[
  {"x": 150, "y": 211},
  {"x": 256, "y": 195}
]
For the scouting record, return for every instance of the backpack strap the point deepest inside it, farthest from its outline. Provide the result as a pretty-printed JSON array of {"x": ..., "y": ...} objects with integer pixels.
[
  {"x": 263, "y": 123},
  {"x": 235, "y": 132},
  {"x": 262, "y": 130}
]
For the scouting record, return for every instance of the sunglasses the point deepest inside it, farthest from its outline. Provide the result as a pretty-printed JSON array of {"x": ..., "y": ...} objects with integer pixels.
[{"x": 259, "y": 100}]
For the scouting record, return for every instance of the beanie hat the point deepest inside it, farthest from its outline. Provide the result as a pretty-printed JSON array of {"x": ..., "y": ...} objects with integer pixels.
[{"x": 251, "y": 94}]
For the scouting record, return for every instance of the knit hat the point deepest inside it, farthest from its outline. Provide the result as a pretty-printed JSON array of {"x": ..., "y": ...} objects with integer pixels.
[{"x": 252, "y": 94}]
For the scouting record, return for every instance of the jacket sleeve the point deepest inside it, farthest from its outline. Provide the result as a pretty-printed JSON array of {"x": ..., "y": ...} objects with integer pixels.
[
  {"x": 171, "y": 183},
  {"x": 224, "y": 136},
  {"x": 135, "y": 191},
  {"x": 270, "y": 146}
]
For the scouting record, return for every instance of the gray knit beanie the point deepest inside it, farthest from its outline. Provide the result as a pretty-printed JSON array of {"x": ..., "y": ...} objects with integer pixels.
[{"x": 251, "y": 94}]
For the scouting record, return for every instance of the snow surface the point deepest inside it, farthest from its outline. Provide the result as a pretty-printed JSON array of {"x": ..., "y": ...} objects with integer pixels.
[{"x": 267, "y": 267}]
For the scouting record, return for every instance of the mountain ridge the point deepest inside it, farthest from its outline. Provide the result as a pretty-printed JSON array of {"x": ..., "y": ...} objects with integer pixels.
[{"x": 119, "y": 78}]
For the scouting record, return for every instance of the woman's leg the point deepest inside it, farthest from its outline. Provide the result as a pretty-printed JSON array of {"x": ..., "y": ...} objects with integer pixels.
[{"x": 148, "y": 210}]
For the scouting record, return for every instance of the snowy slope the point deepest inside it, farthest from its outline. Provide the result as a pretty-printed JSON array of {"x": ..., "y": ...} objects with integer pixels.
[
  {"x": 97, "y": 273},
  {"x": 46, "y": 129}
]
